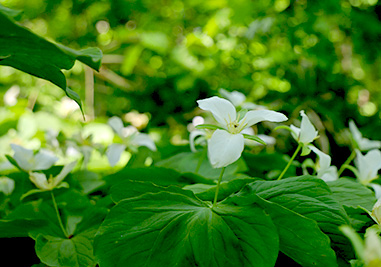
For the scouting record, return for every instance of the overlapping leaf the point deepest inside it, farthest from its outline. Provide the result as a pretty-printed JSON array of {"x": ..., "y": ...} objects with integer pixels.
[{"x": 174, "y": 229}]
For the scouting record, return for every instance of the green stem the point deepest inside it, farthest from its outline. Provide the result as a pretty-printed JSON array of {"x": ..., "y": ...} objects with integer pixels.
[
  {"x": 290, "y": 161},
  {"x": 218, "y": 187},
  {"x": 58, "y": 215},
  {"x": 201, "y": 159},
  {"x": 349, "y": 159}
]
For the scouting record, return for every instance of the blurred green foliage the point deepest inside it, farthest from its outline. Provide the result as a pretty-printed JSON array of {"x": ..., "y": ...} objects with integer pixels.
[{"x": 161, "y": 56}]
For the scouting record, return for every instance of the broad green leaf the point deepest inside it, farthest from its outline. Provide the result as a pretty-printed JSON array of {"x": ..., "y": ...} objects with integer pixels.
[
  {"x": 300, "y": 238},
  {"x": 129, "y": 189},
  {"x": 306, "y": 195},
  {"x": 30, "y": 53},
  {"x": 226, "y": 189},
  {"x": 76, "y": 251},
  {"x": 19, "y": 227},
  {"x": 352, "y": 194},
  {"x": 171, "y": 229},
  {"x": 156, "y": 175}
]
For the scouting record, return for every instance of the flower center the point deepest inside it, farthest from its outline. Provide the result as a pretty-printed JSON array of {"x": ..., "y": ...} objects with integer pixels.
[{"x": 235, "y": 127}]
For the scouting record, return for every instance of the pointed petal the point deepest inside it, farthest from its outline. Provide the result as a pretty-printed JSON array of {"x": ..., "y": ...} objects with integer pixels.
[
  {"x": 39, "y": 179},
  {"x": 295, "y": 132},
  {"x": 113, "y": 153},
  {"x": 64, "y": 172},
  {"x": 224, "y": 148},
  {"x": 116, "y": 124},
  {"x": 329, "y": 175},
  {"x": 377, "y": 190},
  {"x": 142, "y": 139},
  {"x": 308, "y": 132},
  {"x": 44, "y": 160},
  {"x": 254, "y": 116},
  {"x": 223, "y": 111},
  {"x": 237, "y": 98},
  {"x": 324, "y": 159},
  {"x": 192, "y": 137},
  {"x": 356, "y": 134}
]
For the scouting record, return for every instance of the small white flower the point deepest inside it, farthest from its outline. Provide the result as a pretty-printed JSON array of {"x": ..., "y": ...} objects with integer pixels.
[
  {"x": 42, "y": 183},
  {"x": 131, "y": 137},
  {"x": 368, "y": 166},
  {"x": 226, "y": 144},
  {"x": 307, "y": 133},
  {"x": 28, "y": 161},
  {"x": 7, "y": 185},
  {"x": 362, "y": 143},
  {"x": 325, "y": 171}
]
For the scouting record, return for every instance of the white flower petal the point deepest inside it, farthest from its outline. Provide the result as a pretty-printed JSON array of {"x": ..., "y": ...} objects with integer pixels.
[
  {"x": 39, "y": 179},
  {"x": 254, "y": 116},
  {"x": 324, "y": 159},
  {"x": 64, "y": 172},
  {"x": 308, "y": 132},
  {"x": 24, "y": 157},
  {"x": 223, "y": 110},
  {"x": 7, "y": 185},
  {"x": 295, "y": 132},
  {"x": 224, "y": 148},
  {"x": 116, "y": 124},
  {"x": 377, "y": 189},
  {"x": 44, "y": 160},
  {"x": 329, "y": 175},
  {"x": 368, "y": 165},
  {"x": 113, "y": 153},
  {"x": 364, "y": 144},
  {"x": 143, "y": 139},
  {"x": 192, "y": 137},
  {"x": 237, "y": 98}
]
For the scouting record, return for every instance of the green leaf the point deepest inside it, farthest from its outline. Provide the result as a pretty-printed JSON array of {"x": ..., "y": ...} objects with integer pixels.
[
  {"x": 19, "y": 227},
  {"x": 171, "y": 229},
  {"x": 352, "y": 194},
  {"x": 30, "y": 53},
  {"x": 76, "y": 251},
  {"x": 300, "y": 238},
  {"x": 308, "y": 196},
  {"x": 129, "y": 189},
  {"x": 226, "y": 189}
]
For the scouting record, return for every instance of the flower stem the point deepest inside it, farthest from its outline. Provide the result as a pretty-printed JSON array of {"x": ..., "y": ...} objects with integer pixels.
[
  {"x": 218, "y": 187},
  {"x": 58, "y": 215},
  {"x": 290, "y": 161},
  {"x": 346, "y": 163}
]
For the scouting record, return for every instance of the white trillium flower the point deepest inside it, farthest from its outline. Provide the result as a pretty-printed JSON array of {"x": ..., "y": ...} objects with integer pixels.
[
  {"x": 42, "y": 183},
  {"x": 368, "y": 165},
  {"x": 28, "y": 161},
  {"x": 226, "y": 145},
  {"x": 307, "y": 133},
  {"x": 362, "y": 143},
  {"x": 367, "y": 169},
  {"x": 131, "y": 137},
  {"x": 326, "y": 172}
]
